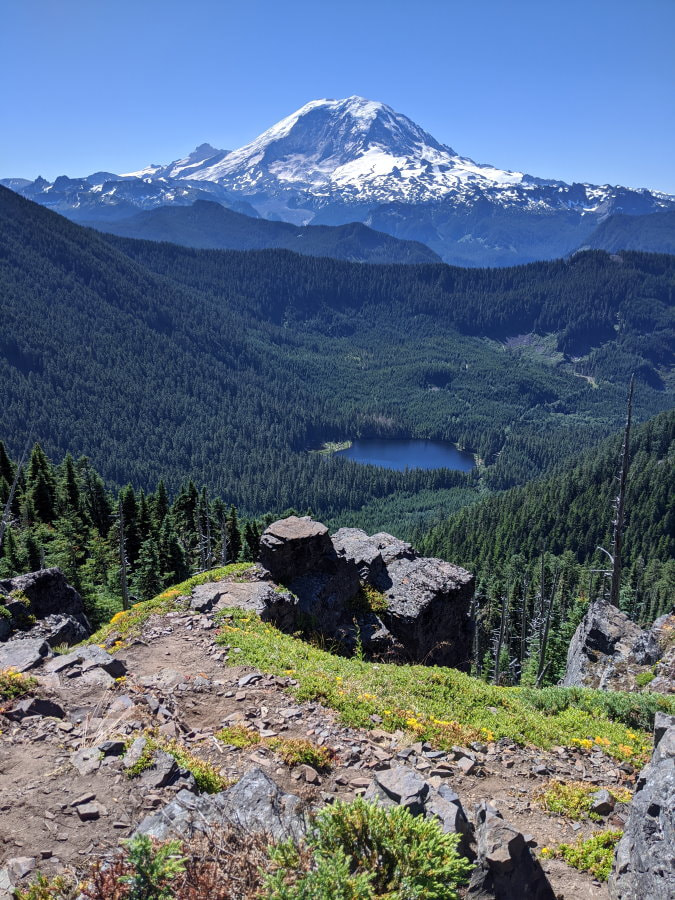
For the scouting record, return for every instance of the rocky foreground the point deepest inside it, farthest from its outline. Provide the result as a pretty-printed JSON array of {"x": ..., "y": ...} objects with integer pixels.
[{"x": 71, "y": 786}]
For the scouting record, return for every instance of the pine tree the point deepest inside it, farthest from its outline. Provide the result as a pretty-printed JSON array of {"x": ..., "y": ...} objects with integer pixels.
[
  {"x": 233, "y": 535},
  {"x": 41, "y": 486},
  {"x": 147, "y": 579},
  {"x": 67, "y": 488}
]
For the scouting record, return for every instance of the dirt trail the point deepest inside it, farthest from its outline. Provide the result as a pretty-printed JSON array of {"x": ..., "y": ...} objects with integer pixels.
[{"x": 177, "y": 682}]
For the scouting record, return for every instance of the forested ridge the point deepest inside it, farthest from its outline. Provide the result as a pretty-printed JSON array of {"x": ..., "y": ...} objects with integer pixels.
[
  {"x": 158, "y": 361},
  {"x": 537, "y": 545}
]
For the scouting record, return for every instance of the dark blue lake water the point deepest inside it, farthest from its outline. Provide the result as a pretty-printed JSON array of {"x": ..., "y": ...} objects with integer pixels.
[{"x": 409, "y": 454}]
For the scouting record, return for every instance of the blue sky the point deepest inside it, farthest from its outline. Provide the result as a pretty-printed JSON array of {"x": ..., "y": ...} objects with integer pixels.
[{"x": 583, "y": 91}]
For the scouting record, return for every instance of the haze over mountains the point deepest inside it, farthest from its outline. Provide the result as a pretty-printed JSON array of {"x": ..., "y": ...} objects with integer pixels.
[{"x": 339, "y": 161}]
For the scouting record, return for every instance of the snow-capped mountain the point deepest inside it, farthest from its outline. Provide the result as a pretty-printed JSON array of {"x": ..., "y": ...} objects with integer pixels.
[
  {"x": 357, "y": 151},
  {"x": 354, "y": 149},
  {"x": 338, "y": 161}
]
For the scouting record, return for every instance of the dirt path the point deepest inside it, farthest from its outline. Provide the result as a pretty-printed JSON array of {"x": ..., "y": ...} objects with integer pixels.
[{"x": 178, "y": 683}]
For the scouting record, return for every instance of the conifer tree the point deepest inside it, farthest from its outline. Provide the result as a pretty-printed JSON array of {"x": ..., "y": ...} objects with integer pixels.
[
  {"x": 147, "y": 579},
  {"x": 41, "y": 486}
]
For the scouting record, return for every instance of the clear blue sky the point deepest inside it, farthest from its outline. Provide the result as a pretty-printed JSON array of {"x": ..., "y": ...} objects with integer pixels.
[{"x": 582, "y": 90}]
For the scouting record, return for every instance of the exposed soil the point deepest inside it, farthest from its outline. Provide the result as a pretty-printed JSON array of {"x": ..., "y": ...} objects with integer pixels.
[{"x": 177, "y": 681}]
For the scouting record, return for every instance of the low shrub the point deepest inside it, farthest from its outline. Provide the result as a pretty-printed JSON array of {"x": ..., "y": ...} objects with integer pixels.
[
  {"x": 368, "y": 599},
  {"x": 14, "y": 684},
  {"x": 445, "y": 706},
  {"x": 207, "y": 778},
  {"x": 594, "y": 855},
  {"x": 360, "y": 851},
  {"x": 574, "y": 799},
  {"x": 238, "y": 736},
  {"x": 298, "y": 752},
  {"x": 58, "y": 888}
]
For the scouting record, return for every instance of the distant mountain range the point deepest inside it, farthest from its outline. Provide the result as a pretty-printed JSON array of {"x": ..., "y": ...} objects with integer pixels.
[
  {"x": 210, "y": 226},
  {"x": 654, "y": 233},
  {"x": 334, "y": 162}
]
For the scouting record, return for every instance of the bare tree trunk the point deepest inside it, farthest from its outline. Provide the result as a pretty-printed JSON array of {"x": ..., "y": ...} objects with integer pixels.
[
  {"x": 12, "y": 491},
  {"x": 223, "y": 539},
  {"x": 123, "y": 559},
  {"x": 524, "y": 622},
  {"x": 500, "y": 640},
  {"x": 617, "y": 543},
  {"x": 544, "y": 639}
]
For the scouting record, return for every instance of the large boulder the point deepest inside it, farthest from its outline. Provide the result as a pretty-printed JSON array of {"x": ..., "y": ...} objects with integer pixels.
[
  {"x": 294, "y": 546},
  {"x": 46, "y": 599},
  {"x": 644, "y": 863},
  {"x": 505, "y": 868},
  {"x": 609, "y": 650},
  {"x": 421, "y": 607},
  {"x": 255, "y": 803},
  {"x": 24, "y": 654}
]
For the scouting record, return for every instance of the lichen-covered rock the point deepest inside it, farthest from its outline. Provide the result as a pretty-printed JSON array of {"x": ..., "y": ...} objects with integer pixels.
[
  {"x": 609, "y": 650},
  {"x": 644, "y": 864}
]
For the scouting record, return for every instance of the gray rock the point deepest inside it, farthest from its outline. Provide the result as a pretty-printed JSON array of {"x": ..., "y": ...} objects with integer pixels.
[
  {"x": 89, "y": 812},
  {"x": 662, "y": 722},
  {"x": 256, "y": 803},
  {"x": 23, "y": 655},
  {"x": 46, "y": 593},
  {"x": 134, "y": 753},
  {"x": 401, "y": 787},
  {"x": 444, "y": 804},
  {"x": 292, "y": 547},
  {"x": 608, "y": 650},
  {"x": 6, "y": 885},
  {"x": 644, "y": 863},
  {"x": 505, "y": 868},
  {"x": 86, "y": 761},
  {"x": 664, "y": 673},
  {"x": 88, "y": 658},
  {"x": 35, "y": 706},
  {"x": 62, "y": 629},
  {"x": 602, "y": 803},
  {"x": 205, "y": 596},
  {"x": 162, "y": 771}
]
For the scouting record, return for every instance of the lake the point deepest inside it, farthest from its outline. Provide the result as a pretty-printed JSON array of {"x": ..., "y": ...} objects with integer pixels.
[{"x": 400, "y": 455}]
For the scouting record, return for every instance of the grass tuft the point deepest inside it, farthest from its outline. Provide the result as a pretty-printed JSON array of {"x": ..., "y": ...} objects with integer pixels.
[
  {"x": 298, "y": 752},
  {"x": 238, "y": 736}
]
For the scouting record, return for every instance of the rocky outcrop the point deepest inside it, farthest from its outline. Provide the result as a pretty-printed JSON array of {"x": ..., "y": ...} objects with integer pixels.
[
  {"x": 294, "y": 546},
  {"x": 644, "y": 864},
  {"x": 505, "y": 868},
  {"x": 42, "y": 605},
  {"x": 255, "y": 803},
  {"x": 273, "y": 605},
  {"x": 609, "y": 650},
  {"x": 375, "y": 590},
  {"x": 400, "y": 786}
]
